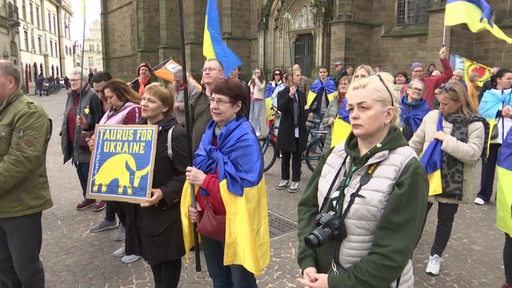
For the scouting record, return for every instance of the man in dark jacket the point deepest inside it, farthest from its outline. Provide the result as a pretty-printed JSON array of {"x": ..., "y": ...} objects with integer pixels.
[
  {"x": 83, "y": 111},
  {"x": 24, "y": 189}
]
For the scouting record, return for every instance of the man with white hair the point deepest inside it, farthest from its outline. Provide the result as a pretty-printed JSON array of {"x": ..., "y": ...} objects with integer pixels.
[{"x": 193, "y": 88}]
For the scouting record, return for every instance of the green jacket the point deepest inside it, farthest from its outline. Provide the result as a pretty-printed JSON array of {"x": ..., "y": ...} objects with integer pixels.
[
  {"x": 25, "y": 130},
  {"x": 399, "y": 226}
]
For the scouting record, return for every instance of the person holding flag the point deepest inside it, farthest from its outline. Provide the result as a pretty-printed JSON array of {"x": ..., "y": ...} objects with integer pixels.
[
  {"x": 504, "y": 202},
  {"x": 459, "y": 136},
  {"x": 226, "y": 185},
  {"x": 321, "y": 92}
]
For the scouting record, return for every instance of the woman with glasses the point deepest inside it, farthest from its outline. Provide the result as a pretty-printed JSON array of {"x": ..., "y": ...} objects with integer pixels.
[
  {"x": 337, "y": 111},
  {"x": 228, "y": 177},
  {"x": 412, "y": 108},
  {"x": 362, "y": 211},
  {"x": 495, "y": 105},
  {"x": 461, "y": 136}
]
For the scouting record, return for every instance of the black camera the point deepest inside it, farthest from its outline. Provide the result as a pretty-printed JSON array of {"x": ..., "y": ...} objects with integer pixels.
[{"x": 331, "y": 227}]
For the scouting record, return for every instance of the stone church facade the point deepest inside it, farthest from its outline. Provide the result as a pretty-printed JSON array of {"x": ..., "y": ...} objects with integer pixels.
[{"x": 279, "y": 33}]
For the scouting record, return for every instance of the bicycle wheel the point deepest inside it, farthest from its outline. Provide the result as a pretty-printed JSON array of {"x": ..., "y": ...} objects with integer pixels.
[
  {"x": 269, "y": 151},
  {"x": 313, "y": 154}
]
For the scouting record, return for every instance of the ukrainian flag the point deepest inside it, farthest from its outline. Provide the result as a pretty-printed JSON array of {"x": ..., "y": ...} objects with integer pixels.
[
  {"x": 213, "y": 46},
  {"x": 432, "y": 161},
  {"x": 477, "y": 14},
  {"x": 247, "y": 228},
  {"x": 504, "y": 186}
]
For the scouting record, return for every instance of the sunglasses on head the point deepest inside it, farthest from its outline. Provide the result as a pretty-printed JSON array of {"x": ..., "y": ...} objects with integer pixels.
[{"x": 386, "y": 86}]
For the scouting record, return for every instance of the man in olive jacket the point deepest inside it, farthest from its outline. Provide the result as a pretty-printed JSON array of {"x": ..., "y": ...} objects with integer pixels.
[{"x": 25, "y": 130}]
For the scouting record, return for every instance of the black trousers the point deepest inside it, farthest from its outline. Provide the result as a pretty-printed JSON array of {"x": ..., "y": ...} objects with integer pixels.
[
  {"x": 167, "y": 274},
  {"x": 296, "y": 163},
  {"x": 445, "y": 216},
  {"x": 507, "y": 258},
  {"x": 488, "y": 169},
  {"x": 20, "y": 244}
]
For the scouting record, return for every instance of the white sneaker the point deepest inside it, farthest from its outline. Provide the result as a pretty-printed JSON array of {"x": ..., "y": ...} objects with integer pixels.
[
  {"x": 294, "y": 187},
  {"x": 479, "y": 201},
  {"x": 258, "y": 134},
  {"x": 119, "y": 252},
  {"x": 282, "y": 184},
  {"x": 129, "y": 258},
  {"x": 434, "y": 265}
]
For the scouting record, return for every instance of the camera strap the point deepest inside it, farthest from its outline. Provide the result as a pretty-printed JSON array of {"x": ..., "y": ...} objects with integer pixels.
[
  {"x": 328, "y": 194},
  {"x": 335, "y": 265}
]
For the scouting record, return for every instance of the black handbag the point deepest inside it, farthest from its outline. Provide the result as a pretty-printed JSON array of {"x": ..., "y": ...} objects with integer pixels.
[{"x": 494, "y": 131}]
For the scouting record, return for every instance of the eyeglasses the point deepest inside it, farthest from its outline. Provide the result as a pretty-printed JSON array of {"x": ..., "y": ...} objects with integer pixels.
[
  {"x": 419, "y": 90},
  {"x": 386, "y": 86},
  {"x": 417, "y": 71},
  {"x": 209, "y": 69},
  {"x": 218, "y": 101}
]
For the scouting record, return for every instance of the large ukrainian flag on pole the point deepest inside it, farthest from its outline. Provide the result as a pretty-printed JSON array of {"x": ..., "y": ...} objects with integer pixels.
[
  {"x": 213, "y": 46},
  {"x": 432, "y": 161},
  {"x": 477, "y": 14}
]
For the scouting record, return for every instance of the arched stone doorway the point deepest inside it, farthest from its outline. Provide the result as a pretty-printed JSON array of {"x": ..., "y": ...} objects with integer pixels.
[{"x": 291, "y": 36}]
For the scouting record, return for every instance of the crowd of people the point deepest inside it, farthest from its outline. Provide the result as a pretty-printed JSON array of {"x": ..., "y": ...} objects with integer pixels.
[{"x": 360, "y": 215}]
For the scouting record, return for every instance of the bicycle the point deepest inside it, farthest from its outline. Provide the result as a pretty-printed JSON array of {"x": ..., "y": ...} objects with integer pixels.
[{"x": 268, "y": 144}]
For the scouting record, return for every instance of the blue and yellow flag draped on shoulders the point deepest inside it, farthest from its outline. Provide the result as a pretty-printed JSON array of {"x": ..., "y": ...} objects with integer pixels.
[
  {"x": 477, "y": 14},
  {"x": 213, "y": 46},
  {"x": 243, "y": 190},
  {"x": 432, "y": 161},
  {"x": 329, "y": 86},
  {"x": 504, "y": 186},
  {"x": 341, "y": 128}
]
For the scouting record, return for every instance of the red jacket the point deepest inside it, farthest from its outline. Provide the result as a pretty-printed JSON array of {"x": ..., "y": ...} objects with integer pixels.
[{"x": 432, "y": 83}]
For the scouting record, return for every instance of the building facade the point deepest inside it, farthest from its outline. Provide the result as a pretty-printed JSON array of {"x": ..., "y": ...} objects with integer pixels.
[
  {"x": 45, "y": 39},
  {"x": 93, "y": 56},
  {"x": 279, "y": 33},
  {"x": 9, "y": 38}
]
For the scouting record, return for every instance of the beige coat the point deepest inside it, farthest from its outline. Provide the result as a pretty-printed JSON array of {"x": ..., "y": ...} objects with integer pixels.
[{"x": 468, "y": 153}]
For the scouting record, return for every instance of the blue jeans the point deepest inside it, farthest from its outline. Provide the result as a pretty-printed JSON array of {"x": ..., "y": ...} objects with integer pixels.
[
  {"x": 255, "y": 114},
  {"x": 82, "y": 169},
  {"x": 231, "y": 276},
  {"x": 20, "y": 244}
]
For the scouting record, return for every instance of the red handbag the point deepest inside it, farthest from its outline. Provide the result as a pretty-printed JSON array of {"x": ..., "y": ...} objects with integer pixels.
[{"x": 211, "y": 225}]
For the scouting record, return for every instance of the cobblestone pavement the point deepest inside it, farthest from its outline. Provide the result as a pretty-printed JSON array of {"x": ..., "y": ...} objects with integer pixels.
[{"x": 73, "y": 257}]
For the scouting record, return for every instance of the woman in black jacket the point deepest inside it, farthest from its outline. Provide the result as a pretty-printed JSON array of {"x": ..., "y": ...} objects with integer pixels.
[
  {"x": 292, "y": 137},
  {"x": 154, "y": 228}
]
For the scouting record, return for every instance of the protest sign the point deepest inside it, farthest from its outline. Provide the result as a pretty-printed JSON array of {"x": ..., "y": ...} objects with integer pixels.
[{"x": 122, "y": 163}]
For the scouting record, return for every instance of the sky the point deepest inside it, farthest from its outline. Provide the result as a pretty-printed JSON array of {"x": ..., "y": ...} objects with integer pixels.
[{"x": 92, "y": 12}]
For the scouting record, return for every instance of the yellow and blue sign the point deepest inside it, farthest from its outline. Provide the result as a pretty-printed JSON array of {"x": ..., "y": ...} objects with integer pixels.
[{"x": 122, "y": 163}]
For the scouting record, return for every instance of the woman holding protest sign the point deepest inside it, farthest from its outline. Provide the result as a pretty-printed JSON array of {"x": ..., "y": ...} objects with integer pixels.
[
  {"x": 124, "y": 109},
  {"x": 154, "y": 228}
]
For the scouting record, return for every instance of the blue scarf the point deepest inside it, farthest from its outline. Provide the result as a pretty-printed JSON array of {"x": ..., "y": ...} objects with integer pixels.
[
  {"x": 329, "y": 86},
  {"x": 412, "y": 113},
  {"x": 236, "y": 158}
]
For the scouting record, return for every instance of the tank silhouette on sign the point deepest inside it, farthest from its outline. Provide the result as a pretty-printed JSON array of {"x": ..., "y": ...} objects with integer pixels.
[{"x": 113, "y": 169}]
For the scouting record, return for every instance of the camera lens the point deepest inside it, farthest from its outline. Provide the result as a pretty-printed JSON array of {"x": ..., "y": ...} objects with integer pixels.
[{"x": 318, "y": 237}]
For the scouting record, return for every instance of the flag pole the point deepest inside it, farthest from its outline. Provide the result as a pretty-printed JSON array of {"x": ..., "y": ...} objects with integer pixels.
[
  {"x": 189, "y": 128},
  {"x": 444, "y": 36}
]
